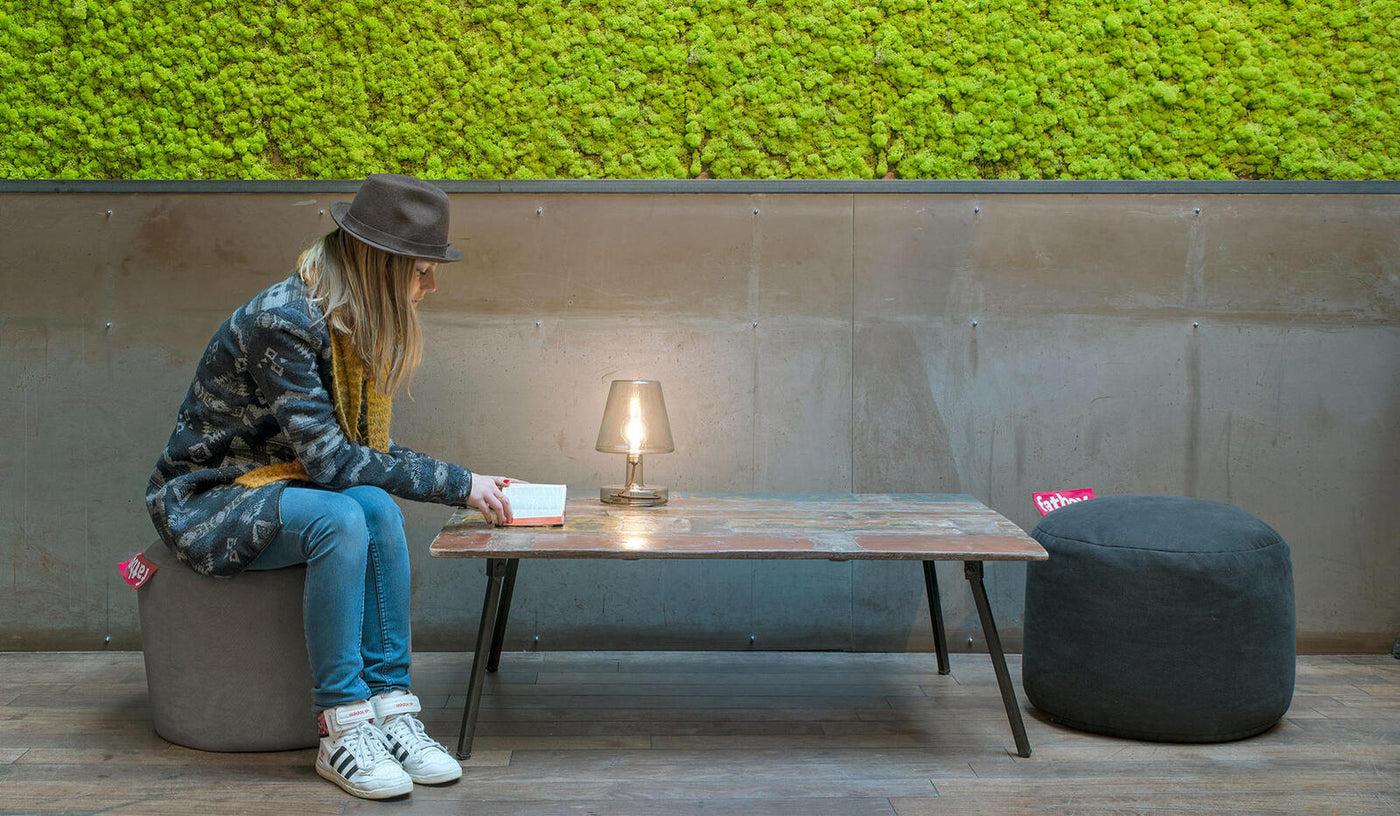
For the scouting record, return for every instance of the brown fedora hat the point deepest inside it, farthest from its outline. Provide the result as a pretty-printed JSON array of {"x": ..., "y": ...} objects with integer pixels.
[{"x": 399, "y": 214}]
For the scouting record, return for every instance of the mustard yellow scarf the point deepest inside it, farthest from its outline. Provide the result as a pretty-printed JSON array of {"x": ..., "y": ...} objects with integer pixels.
[{"x": 361, "y": 409}]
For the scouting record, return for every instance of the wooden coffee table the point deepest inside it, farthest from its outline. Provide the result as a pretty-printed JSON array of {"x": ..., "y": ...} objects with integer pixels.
[{"x": 907, "y": 527}]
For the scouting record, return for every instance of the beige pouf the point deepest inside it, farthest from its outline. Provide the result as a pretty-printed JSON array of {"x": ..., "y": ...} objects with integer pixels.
[{"x": 226, "y": 660}]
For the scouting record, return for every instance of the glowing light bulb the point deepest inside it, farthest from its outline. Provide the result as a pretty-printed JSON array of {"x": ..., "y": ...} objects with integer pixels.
[{"x": 634, "y": 432}]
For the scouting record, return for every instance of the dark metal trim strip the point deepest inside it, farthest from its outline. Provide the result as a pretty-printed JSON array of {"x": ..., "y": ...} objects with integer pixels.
[{"x": 733, "y": 187}]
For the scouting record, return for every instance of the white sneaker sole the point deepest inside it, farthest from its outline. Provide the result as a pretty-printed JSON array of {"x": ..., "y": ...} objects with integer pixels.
[
  {"x": 437, "y": 778},
  {"x": 365, "y": 793}
]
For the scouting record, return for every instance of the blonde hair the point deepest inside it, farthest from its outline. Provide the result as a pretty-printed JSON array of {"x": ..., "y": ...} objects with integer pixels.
[{"x": 366, "y": 293}]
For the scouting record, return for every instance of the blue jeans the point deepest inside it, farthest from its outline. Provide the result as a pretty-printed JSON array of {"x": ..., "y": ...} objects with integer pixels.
[{"x": 355, "y": 607}]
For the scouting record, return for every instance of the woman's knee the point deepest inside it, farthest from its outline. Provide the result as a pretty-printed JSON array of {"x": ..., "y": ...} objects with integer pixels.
[
  {"x": 381, "y": 512},
  {"x": 338, "y": 530}
]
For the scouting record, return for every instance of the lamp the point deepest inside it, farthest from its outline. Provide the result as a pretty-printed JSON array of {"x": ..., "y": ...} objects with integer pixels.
[{"x": 634, "y": 423}]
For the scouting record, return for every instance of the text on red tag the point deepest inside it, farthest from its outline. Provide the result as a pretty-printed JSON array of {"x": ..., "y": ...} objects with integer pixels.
[
  {"x": 1045, "y": 502},
  {"x": 137, "y": 571}
]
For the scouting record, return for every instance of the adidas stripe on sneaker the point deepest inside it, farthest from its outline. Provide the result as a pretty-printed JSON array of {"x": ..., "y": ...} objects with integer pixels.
[
  {"x": 426, "y": 760},
  {"x": 354, "y": 754}
]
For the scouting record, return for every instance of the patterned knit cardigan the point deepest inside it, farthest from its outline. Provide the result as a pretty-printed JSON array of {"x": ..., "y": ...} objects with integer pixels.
[{"x": 262, "y": 396}]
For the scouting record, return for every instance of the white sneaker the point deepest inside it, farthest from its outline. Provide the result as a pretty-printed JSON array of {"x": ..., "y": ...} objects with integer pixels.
[
  {"x": 355, "y": 755},
  {"x": 426, "y": 760}
]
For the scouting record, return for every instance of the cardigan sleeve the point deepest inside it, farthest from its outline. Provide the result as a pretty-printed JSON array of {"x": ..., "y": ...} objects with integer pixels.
[{"x": 282, "y": 351}]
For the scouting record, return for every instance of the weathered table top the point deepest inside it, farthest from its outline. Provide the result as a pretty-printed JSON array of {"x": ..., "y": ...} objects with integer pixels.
[{"x": 927, "y": 527}]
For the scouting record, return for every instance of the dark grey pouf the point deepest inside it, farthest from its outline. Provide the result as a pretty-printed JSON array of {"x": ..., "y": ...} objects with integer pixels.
[
  {"x": 1160, "y": 618},
  {"x": 226, "y": 662}
]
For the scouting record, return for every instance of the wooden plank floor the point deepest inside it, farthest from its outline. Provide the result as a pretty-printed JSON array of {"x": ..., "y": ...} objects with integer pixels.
[{"x": 741, "y": 734}]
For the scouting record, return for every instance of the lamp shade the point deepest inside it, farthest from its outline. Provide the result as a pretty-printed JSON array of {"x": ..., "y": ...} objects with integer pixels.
[{"x": 634, "y": 420}]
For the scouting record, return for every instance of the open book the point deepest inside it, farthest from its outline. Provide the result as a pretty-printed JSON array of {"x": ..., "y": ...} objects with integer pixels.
[{"x": 536, "y": 505}]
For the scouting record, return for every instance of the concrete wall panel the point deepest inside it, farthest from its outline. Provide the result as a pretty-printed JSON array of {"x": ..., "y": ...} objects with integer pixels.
[
  {"x": 1179, "y": 371},
  {"x": 1301, "y": 259},
  {"x": 643, "y": 257},
  {"x": 801, "y": 439},
  {"x": 1235, "y": 347}
]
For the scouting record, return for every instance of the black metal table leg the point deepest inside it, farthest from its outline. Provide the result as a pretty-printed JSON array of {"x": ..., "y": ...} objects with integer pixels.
[
  {"x": 973, "y": 571},
  {"x": 935, "y": 609},
  {"x": 496, "y": 569},
  {"x": 502, "y": 613}
]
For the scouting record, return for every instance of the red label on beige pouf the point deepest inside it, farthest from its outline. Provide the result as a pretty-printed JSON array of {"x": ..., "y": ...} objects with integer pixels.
[
  {"x": 137, "y": 571},
  {"x": 1045, "y": 502}
]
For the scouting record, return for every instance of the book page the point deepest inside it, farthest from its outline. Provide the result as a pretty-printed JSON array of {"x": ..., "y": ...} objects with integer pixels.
[{"x": 536, "y": 504}]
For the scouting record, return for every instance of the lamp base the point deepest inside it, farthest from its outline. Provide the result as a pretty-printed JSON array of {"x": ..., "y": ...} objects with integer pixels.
[{"x": 633, "y": 495}]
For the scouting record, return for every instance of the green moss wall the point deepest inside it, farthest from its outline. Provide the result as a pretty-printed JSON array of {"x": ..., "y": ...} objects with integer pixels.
[{"x": 188, "y": 89}]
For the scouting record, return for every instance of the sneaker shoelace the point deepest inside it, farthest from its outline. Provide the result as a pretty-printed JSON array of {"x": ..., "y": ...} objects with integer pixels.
[
  {"x": 416, "y": 740},
  {"x": 367, "y": 745}
]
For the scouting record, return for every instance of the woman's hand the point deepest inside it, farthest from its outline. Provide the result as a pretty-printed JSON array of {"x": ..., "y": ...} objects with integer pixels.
[{"x": 488, "y": 496}]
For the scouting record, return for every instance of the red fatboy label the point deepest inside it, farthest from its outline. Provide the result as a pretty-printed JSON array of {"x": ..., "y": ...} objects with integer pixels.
[
  {"x": 137, "y": 571},
  {"x": 1045, "y": 502}
]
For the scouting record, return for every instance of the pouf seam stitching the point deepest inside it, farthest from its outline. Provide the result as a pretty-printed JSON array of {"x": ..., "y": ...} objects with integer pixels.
[{"x": 1277, "y": 539}]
